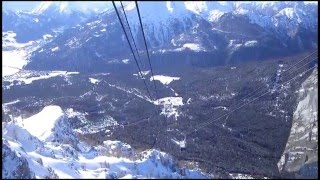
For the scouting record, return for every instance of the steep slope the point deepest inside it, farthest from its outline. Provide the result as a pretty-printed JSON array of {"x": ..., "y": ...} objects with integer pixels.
[
  {"x": 300, "y": 157},
  {"x": 13, "y": 165}
]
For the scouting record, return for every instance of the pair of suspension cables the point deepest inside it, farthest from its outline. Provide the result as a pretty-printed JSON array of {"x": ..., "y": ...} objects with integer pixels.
[
  {"x": 131, "y": 48},
  {"x": 239, "y": 104}
]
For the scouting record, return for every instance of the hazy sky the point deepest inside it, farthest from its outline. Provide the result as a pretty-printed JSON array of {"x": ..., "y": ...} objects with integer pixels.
[
  {"x": 19, "y": 5},
  {"x": 29, "y": 5}
]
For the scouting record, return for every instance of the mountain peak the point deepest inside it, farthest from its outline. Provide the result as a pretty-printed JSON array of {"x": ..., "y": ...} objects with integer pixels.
[{"x": 46, "y": 6}]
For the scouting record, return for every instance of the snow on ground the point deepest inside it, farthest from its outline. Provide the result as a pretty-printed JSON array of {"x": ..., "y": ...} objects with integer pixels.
[
  {"x": 179, "y": 143},
  {"x": 13, "y": 61},
  {"x": 164, "y": 79},
  {"x": 125, "y": 61},
  {"x": 94, "y": 81},
  {"x": 144, "y": 73},
  {"x": 6, "y": 71},
  {"x": 47, "y": 36},
  {"x": 176, "y": 94},
  {"x": 242, "y": 176},
  {"x": 41, "y": 124},
  {"x": 251, "y": 43},
  {"x": 106, "y": 123},
  {"x": 12, "y": 102},
  {"x": 133, "y": 91},
  {"x": 194, "y": 47},
  {"x": 55, "y": 49},
  {"x": 15, "y": 55},
  {"x": 28, "y": 77},
  {"x": 221, "y": 107},
  {"x": 15, "y": 58},
  {"x": 170, "y": 106},
  {"x": 59, "y": 158},
  {"x": 191, "y": 46},
  {"x": 189, "y": 101}
]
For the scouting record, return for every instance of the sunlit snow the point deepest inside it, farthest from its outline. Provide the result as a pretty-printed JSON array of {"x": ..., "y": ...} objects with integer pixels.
[
  {"x": 109, "y": 159},
  {"x": 164, "y": 79},
  {"x": 170, "y": 106},
  {"x": 55, "y": 49},
  {"x": 94, "y": 81}
]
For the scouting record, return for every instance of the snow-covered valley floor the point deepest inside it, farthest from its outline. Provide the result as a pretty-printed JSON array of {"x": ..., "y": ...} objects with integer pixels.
[{"x": 15, "y": 55}]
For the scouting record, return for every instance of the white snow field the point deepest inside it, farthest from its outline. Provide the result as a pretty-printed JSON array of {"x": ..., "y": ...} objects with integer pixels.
[
  {"x": 166, "y": 80},
  {"x": 170, "y": 105},
  {"x": 94, "y": 81}
]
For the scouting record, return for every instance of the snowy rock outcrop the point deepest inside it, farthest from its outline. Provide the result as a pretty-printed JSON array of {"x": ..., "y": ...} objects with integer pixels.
[
  {"x": 14, "y": 165},
  {"x": 45, "y": 146},
  {"x": 300, "y": 157}
]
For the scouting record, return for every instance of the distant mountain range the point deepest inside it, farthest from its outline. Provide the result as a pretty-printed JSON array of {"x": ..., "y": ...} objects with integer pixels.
[{"x": 183, "y": 33}]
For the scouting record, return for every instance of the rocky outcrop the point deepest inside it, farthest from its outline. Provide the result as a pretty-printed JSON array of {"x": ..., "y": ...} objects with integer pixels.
[
  {"x": 14, "y": 166},
  {"x": 300, "y": 157}
]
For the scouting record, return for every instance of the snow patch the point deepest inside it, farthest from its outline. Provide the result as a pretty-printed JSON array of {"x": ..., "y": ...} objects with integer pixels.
[
  {"x": 125, "y": 61},
  {"x": 251, "y": 43},
  {"x": 170, "y": 106},
  {"x": 94, "y": 81},
  {"x": 28, "y": 78},
  {"x": 191, "y": 46},
  {"x": 144, "y": 73},
  {"x": 15, "y": 55},
  {"x": 55, "y": 49},
  {"x": 41, "y": 124},
  {"x": 47, "y": 36},
  {"x": 164, "y": 79}
]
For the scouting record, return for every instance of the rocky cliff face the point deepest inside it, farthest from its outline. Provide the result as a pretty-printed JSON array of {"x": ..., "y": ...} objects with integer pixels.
[{"x": 300, "y": 157}]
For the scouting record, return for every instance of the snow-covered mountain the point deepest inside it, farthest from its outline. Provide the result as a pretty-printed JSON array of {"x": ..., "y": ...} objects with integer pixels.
[
  {"x": 25, "y": 31},
  {"x": 48, "y": 17},
  {"x": 45, "y": 146},
  {"x": 216, "y": 30},
  {"x": 65, "y": 7}
]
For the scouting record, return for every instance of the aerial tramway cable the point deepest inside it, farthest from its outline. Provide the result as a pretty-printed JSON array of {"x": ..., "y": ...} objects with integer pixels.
[
  {"x": 248, "y": 95},
  {"x": 185, "y": 134},
  {"x": 145, "y": 43},
  {"x": 263, "y": 90},
  {"x": 260, "y": 89},
  {"x": 283, "y": 72},
  {"x": 134, "y": 43},
  {"x": 141, "y": 75},
  {"x": 211, "y": 121},
  {"x": 236, "y": 108}
]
